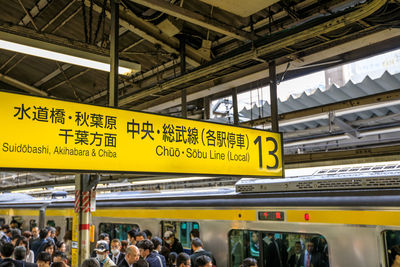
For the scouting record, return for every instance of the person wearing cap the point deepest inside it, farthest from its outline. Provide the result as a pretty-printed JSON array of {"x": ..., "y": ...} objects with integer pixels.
[
  {"x": 172, "y": 243},
  {"x": 102, "y": 254}
]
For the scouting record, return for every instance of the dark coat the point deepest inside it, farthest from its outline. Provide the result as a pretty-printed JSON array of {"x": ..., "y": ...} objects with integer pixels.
[
  {"x": 197, "y": 254},
  {"x": 121, "y": 257},
  {"x": 156, "y": 260},
  {"x": 316, "y": 260}
]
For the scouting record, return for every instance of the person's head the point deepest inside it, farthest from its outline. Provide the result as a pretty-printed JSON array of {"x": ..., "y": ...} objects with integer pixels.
[
  {"x": 148, "y": 234},
  {"x": 115, "y": 246},
  {"x": 132, "y": 254},
  {"x": 194, "y": 233},
  {"x": 35, "y": 232},
  {"x": 58, "y": 230},
  {"x": 254, "y": 237},
  {"x": 140, "y": 236},
  {"x": 105, "y": 237},
  {"x": 297, "y": 247},
  {"x": 196, "y": 244},
  {"x": 49, "y": 248},
  {"x": 249, "y": 262},
  {"x": 27, "y": 234},
  {"x": 157, "y": 243},
  {"x": 145, "y": 248},
  {"x": 23, "y": 242},
  {"x": 43, "y": 259},
  {"x": 102, "y": 250},
  {"x": 124, "y": 245},
  {"x": 13, "y": 224},
  {"x": 394, "y": 255},
  {"x": 68, "y": 236},
  {"x": 183, "y": 260},
  {"x": 59, "y": 256},
  {"x": 169, "y": 237},
  {"x": 7, "y": 250},
  {"x": 20, "y": 253},
  {"x": 5, "y": 227},
  {"x": 91, "y": 262},
  {"x": 172, "y": 257},
  {"x": 15, "y": 238},
  {"x": 61, "y": 246},
  {"x": 52, "y": 231},
  {"x": 131, "y": 237},
  {"x": 310, "y": 247},
  {"x": 203, "y": 261},
  {"x": 44, "y": 233}
]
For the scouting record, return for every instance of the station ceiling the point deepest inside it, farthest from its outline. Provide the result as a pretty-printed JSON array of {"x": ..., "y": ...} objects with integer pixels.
[{"x": 228, "y": 45}]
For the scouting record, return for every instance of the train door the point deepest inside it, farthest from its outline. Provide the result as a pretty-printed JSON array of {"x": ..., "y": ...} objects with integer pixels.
[{"x": 182, "y": 232}]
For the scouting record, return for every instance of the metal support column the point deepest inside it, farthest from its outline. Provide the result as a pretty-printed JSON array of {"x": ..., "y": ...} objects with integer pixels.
[
  {"x": 114, "y": 34},
  {"x": 84, "y": 184},
  {"x": 235, "y": 107},
  {"x": 206, "y": 105},
  {"x": 274, "y": 97},
  {"x": 182, "y": 51}
]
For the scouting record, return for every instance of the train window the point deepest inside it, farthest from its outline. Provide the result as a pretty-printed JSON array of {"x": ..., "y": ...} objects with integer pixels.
[
  {"x": 68, "y": 224},
  {"x": 117, "y": 230},
  {"x": 392, "y": 245},
  {"x": 51, "y": 223},
  {"x": 181, "y": 230},
  {"x": 19, "y": 220},
  {"x": 2, "y": 221},
  {"x": 277, "y": 248},
  {"x": 32, "y": 223}
]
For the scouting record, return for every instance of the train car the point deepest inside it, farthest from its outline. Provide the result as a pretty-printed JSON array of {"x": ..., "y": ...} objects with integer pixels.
[{"x": 346, "y": 227}]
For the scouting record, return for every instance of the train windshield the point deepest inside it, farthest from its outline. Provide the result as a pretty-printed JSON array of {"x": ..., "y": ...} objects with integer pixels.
[{"x": 278, "y": 248}]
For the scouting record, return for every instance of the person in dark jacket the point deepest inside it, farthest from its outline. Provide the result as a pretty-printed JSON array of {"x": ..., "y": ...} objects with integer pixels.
[
  {"x": 131, "y": 256},
  {"x": 172, "y": 243},
  {"x": 38, "y": 245},
  {"x": 148, "y": 253},
  {"x": 116, "y": 255},
  {"x": 198, "y": 251}
]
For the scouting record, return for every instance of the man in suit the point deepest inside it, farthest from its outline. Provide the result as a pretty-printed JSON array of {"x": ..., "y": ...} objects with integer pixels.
[
  {"x": 131, "y": 256},
  {"x": 309, "y": 258},
  {"x": 20, "y": 256},
  {"x": 295, "y": 255},
  {"x": 273, "y": 256},
  {"x": 116, "y": 255}
]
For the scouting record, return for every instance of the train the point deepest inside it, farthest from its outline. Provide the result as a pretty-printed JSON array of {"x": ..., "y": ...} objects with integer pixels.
[{"x": 353, "y": 219}]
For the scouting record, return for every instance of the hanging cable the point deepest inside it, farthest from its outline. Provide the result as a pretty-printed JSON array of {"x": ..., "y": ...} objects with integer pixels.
[
  {"x": 100, "y": 20},
  {"x": 84, "y": 21},
  {"x": 284, "y": 73}
]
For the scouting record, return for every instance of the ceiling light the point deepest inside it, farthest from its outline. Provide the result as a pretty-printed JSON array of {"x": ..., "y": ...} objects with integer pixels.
[{"x": 38, "y": 52}]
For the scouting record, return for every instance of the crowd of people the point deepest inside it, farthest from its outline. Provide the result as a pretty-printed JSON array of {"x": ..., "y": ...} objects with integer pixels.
[
  {"x": 34, "y": 248},
  {"x": 45, "y": 248}
]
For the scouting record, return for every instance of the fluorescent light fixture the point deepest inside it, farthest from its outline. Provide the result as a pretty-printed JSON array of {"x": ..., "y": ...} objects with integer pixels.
[{"x": 38, "y": 52}]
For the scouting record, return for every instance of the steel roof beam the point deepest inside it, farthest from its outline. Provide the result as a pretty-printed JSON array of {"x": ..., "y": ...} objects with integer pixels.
[
  {"x": 151, "y": 33},
  {"x": 336, "y": 23},
  {"x": 23, "y": 86},
  {"x": 196, "y": 19},
  {"x": 260, "y": 71}
]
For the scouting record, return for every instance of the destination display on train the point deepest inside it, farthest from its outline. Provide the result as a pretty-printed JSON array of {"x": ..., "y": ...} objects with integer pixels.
[{"x": 48, "y": 134}]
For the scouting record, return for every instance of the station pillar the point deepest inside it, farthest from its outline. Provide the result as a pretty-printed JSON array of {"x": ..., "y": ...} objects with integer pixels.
[{"x": 84, "y": 185}]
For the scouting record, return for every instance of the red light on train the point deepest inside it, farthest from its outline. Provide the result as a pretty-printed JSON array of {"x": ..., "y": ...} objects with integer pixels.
[
  {"x": 306, "y": 216},
  {"x": 277, "y": 215}
]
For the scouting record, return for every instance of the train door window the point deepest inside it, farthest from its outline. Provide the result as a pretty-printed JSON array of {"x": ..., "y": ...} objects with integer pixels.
[
  {"x": 277, "y": 248},
  {"x": 19, "y": 220},
  {"x": 32, "y": 223},
  {"x": 181, "y": 230},
  {"x": 117, "y": 230},
  {"x": 2, "y": 221},
  {"x": 68, "y": 224},
  {"x": 391, "y": 245},
  {"x": 51, "y": 223}
]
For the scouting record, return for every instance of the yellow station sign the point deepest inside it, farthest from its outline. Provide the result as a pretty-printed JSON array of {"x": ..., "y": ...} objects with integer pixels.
[{"x": 48, "y": 134}]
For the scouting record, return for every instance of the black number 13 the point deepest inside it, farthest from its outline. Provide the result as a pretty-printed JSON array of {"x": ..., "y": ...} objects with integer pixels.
[{"x": 271, "y": 152}]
